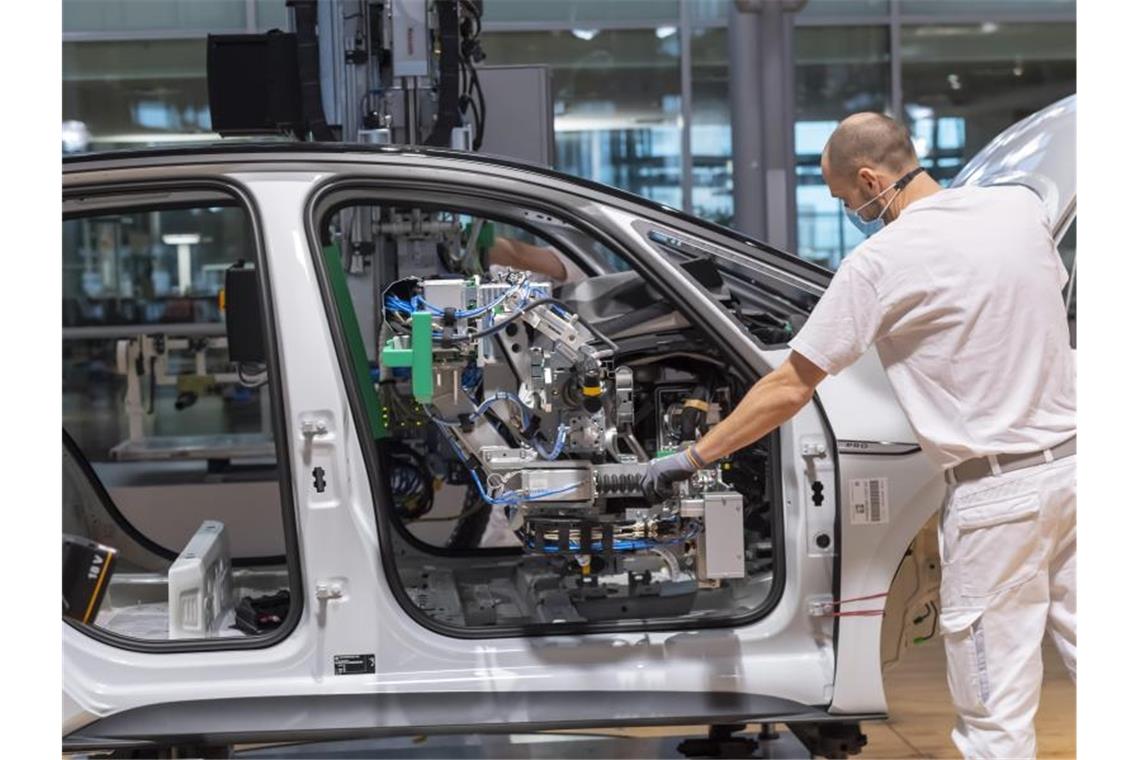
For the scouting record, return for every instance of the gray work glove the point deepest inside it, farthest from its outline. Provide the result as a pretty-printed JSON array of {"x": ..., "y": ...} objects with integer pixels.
[{"x": 662, "y": 473}]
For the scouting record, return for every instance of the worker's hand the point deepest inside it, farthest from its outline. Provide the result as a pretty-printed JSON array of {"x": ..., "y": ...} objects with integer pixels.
[{"x": 662, "y": 473}]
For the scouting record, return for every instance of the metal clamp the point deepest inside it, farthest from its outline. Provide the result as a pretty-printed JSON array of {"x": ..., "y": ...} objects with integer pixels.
[{"x": 312, "y": 428}]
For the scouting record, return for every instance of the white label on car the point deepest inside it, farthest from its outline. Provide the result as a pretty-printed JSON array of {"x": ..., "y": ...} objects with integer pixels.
[{"x": 868, "y": 500}]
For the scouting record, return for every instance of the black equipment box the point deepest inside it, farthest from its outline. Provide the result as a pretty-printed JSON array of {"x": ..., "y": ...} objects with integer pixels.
[
  {"x": 245, "y": 332},
  {"x": 87, "y": 567},
  {"x": 253, "y": 82}
]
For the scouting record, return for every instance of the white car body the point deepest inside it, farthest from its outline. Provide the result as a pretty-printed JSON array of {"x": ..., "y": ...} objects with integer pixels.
[{"x": 796, "y": 663}]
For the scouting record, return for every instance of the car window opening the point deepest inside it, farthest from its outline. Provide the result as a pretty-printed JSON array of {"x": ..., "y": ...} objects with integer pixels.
[
  {"x": 514, "y": 370},
  {"x": 173, "y": 510}
]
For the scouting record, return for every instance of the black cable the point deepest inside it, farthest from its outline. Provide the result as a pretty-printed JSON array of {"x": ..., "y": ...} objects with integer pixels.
[
  {"x": 251, "y": 383},
  {"x": 153, "y": 385},
  {"x": 477, "y": 16},
  {"x": 933, "y": 627},
  {"x": 420, "y": 488},
  {"x": 464, "y": 86},
  {"x": 478, "y": 141}
]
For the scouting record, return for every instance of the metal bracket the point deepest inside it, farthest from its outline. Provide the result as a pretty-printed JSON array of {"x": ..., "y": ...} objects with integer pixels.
[
  {"x": 312, "y": 428},
  {"x": 813, "y": 449},
  {"x": 820, "y": 606}
]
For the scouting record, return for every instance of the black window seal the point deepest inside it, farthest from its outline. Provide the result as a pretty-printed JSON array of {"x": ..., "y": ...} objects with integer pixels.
[
  {"x": 111, "y": 188},
  {"x": 108, "y": 504},
  {"x": 374, "y": 186}
]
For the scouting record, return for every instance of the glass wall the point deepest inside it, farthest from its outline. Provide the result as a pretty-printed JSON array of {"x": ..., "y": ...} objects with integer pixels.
[
  {"x": 134, "y": 71},
  {"x": 130, "y": 92},
  {"x": 150, "y": 16},
  {"x": 617, "y": 102},
  {"x": 839, "y": 70},
  {"x": 963, "y": 84},
  {"x": 600, "y": 12},
  {"x": 1065, "y": 9},
  {"x": 956, "y": 71},
  {"x": 711, "y": 134}
]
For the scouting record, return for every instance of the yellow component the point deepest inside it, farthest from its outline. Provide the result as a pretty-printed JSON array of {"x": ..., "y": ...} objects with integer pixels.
[
  {"x": 588, "y": 390},
  {"x": 200, "y": 384},
  {"x": 696, "y": 403},
  {"x": 95, "y": 591},
  {"x": 222, "y": 299},
  {"x": 586, "y": 568}
]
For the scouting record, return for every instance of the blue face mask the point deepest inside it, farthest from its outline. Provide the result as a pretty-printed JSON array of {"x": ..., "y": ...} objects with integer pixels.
[{"x": 870, "y": 226}]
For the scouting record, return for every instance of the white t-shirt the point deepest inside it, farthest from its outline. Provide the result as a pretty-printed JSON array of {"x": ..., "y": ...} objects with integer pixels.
[{"x": 961, "y": 295}]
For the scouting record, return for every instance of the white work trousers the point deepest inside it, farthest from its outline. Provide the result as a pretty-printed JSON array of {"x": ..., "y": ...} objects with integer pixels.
[{"x": 1009, "y": 573}]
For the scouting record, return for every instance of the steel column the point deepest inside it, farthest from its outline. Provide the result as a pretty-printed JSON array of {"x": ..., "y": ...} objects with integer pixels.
[
  {"x": 760, "y": 53},
  {"x": 745, "y": 43},
  {"x": 685, "y": 30},
  {"x": 896, "y": 104}
]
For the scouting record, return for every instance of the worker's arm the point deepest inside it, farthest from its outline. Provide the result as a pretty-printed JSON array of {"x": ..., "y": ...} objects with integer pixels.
[
  {"x": 772, "y": 401},
  {"x": 519, "y": 255}
]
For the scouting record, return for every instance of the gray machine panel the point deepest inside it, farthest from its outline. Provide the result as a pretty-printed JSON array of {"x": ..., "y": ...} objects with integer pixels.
[
  {"x": 409, "y": 39},
  {"x": 720, "y": 546},
  {"x": 520, "y": 113}
]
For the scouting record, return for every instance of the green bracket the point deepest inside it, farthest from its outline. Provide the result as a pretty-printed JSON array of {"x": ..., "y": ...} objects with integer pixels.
[
  {"x": 347, "y": 313},
  {"x": 486, "y": 235},
  {"x": 418, "y": 357}
]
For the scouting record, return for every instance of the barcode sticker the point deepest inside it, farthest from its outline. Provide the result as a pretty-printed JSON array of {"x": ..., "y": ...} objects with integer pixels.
[{"x": 869, "y": 505}]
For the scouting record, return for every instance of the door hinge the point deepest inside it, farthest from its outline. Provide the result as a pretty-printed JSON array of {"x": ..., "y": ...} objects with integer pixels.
[
  {"x": 327, "y": 591},
  {"x": 312, "y": 428},
  {"x": 821, "y": 607},
  {"x": 813, "y": 449}
]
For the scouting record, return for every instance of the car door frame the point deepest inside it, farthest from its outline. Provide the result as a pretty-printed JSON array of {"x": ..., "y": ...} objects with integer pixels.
[
  {"x": 86, "y": 195},
  {"x": 743, "y": 703},
  {"x": 439, "y": 191}
]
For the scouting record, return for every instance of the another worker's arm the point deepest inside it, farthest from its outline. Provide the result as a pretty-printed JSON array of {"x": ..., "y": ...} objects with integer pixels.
[{"x": 519, "y": 255}]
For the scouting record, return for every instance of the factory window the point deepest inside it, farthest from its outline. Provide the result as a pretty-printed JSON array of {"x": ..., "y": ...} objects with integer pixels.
[
  {"x": 988, "y": 8},
  {"x": 513, "y": 373},
  {"x": 172, "y": 479},
  {"x": 583, "y": 12},
  {"x": 617, "y": 102},
  {"x": 126, "y": 94},
  {"x": 149, "y": 16},
  {"x": 839, "y": 70},
  {"x": 963, "y": 84},
  {"x": 711, "y": 134}
]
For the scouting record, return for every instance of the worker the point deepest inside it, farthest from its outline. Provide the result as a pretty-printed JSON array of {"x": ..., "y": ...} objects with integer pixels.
[
  {"x": 541, "y": 260},
  {"x": 959, "y": 290}
]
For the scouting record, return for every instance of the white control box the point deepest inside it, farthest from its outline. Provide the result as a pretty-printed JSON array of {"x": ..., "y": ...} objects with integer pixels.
[
  {"x": 720, "y": 546},
  {"x": 199, "y": 584}
]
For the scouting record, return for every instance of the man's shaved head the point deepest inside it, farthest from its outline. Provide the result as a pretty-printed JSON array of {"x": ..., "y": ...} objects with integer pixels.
[{"x": 872, "y": 140}]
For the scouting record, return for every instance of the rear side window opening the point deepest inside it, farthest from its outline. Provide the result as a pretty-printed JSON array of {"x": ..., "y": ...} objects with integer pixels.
[
  {"x": 178, "y": 528},
  {"x": 473, "y": 566}
]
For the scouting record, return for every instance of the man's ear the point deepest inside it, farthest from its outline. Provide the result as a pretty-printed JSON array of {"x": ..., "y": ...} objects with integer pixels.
[{"x": 867, "y": 179}]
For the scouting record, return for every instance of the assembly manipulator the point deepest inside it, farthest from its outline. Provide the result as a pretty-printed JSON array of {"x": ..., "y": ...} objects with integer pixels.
[{"x": 528, "y": 398}]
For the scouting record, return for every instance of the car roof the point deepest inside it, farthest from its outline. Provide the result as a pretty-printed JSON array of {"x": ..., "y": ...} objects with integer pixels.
[
  {"x": 284, "y": 152},
  {"x": 1039, "y": 152}
]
